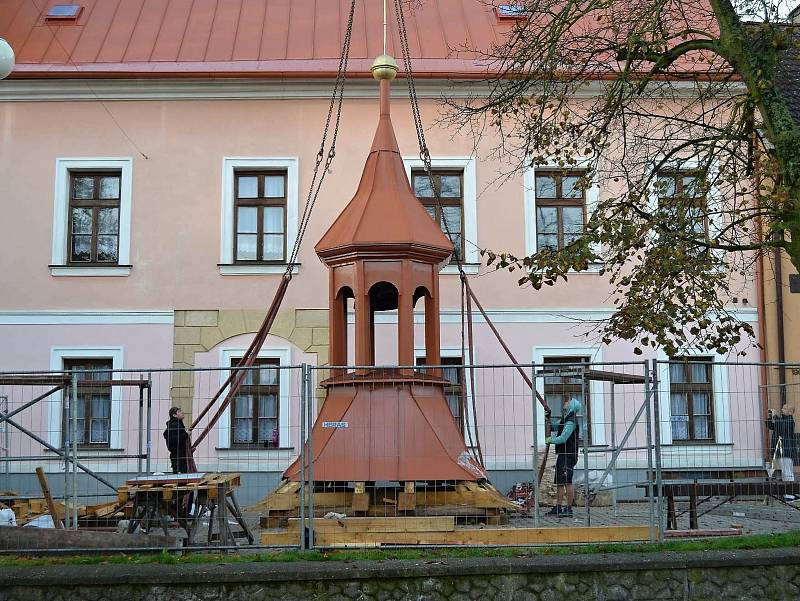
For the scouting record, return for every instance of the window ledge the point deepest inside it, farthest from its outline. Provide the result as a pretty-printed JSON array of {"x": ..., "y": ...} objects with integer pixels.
[
  {"x": 257, "y": 269},
  {"x": 695, "y": 444},
  {"x": 91, "y": 270},
  {"x": 594, "y": 269},
  {"x": 90, "y": 451},
  {"x": 253, "y": 449},
  {"x": 469, "y": 269}
]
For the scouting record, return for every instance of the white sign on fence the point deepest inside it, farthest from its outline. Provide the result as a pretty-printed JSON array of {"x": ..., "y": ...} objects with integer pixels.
[{"x": 335, "y": 425}]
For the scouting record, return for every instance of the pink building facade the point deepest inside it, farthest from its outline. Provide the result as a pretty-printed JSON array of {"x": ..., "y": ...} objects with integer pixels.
[{"x": 150, "y": 206}]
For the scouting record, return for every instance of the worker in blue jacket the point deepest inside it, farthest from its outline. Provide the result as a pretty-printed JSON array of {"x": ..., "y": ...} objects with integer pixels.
[{"x": 568, "y": 432}]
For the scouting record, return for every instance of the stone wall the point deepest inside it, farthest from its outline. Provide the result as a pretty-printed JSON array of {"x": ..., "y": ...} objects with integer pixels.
[
  {"x": 198, "y": 331},
  {"x": 772, "y": 575}
]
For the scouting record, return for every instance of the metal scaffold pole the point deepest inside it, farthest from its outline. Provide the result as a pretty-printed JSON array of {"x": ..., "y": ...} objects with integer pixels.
[
  {"x": 657, "y": 423},
  {"x": 74, "y": 420},
  {"x": 535, "y": 407},
  {"x": 140, "y": 441},
  {"x": 303, "y": 446},
  {"x": 149, "y": 425},
  {"x": 65, "y": 434},
  {"x": 309, "y": 429}
]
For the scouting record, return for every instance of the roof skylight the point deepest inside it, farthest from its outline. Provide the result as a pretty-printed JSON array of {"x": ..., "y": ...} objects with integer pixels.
[
  {"x": 64, "y": 11},
  {"x": 512, "y": 11}
]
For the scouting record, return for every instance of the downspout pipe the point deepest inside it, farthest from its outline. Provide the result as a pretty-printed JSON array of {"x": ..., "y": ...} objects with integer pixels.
[{"x": 781, "y": 333}]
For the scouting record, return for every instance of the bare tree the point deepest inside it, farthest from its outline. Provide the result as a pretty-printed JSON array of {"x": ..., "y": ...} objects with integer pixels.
[{"x": 671, "y": 108}]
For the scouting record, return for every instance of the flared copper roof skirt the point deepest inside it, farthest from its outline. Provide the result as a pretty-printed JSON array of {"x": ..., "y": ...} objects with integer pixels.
[{"x": 384, "y": 213}]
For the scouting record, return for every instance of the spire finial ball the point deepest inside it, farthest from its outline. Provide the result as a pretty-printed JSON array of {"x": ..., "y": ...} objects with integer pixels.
[{"x": 384, "y": 67}]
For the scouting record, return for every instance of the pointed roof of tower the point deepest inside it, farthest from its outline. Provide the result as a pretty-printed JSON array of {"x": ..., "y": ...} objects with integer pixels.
[{"x": 384, "y": 214}]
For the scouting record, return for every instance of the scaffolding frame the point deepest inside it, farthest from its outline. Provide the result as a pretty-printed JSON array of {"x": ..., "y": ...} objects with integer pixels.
[{"x": 64, "y": 382}]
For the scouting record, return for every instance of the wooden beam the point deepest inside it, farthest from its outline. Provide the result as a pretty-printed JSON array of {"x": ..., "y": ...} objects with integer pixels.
[
  {"x": 492, "y": 536},
  {"x": 51, "y": 507},
  {"x": 484, "y": 536},
  {"x": 382, "y": 524}
]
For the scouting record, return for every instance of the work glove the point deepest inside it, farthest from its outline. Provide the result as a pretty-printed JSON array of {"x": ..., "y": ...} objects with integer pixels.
[{"x": 548, "y": 440}]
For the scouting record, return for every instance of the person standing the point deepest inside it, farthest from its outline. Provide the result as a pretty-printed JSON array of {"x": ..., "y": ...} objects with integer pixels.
[
  {"x": 566, "y": 442},
  {"x": 782, "y": 427},
  {"x": 177, "y": 442}
]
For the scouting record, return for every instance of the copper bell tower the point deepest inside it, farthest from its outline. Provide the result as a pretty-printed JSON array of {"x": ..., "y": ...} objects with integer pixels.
[{"x": 385, "y": 252}]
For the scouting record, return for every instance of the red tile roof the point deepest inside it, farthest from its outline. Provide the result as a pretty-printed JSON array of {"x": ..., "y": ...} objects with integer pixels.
[{"x": 272, "y": 38}]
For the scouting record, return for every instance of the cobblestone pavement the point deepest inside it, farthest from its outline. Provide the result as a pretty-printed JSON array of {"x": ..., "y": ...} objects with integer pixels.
[{"x": 752, "y": 516}]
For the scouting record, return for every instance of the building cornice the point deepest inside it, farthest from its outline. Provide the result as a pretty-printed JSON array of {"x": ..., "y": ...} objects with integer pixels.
[{"x": 55, "y": 89}]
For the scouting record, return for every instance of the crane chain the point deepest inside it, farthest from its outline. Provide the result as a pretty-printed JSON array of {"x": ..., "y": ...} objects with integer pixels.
[
  {"x": 424, "y": 152},
  {"x": 336, "y": 102}
]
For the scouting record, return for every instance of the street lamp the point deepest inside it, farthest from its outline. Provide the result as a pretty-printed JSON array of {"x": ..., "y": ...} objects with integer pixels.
[{"x": 6, "y": 59}]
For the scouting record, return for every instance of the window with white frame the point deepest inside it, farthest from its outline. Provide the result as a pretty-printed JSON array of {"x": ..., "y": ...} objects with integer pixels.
[
  {"x": 259, "y": 215},
  {"x": 448, "y": 210},
  {"x": 92, "y": 217},
  {"x": 256, "y": 407},
  {"x": 560, "y": 209},
  {"x": 99, "y": 403},
  {"x": 457, "y": 178},
  {"x": 559, "y": 378},
  {"x": 93, "y": 394},
  {"x": 691, "y": 393},
  {"x": 259, "y": 417},
  {"x": 558, "y": 204},
  {"x": 682, "y": 198},
  {"x": 695, "y": 403}
]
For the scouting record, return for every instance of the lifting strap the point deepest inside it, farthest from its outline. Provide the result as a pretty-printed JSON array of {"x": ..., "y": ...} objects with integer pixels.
[{"x": 239, "y": 372}]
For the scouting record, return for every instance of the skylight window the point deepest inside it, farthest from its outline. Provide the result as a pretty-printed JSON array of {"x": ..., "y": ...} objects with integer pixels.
[
  {"x": 512, "y": 11},
  {"x": 64, "y": 12}
]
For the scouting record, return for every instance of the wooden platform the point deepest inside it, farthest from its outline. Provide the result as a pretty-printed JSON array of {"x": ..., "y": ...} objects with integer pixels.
[
  {"x": 373, "y": 532},
  {"x": 480, "y": 501}
]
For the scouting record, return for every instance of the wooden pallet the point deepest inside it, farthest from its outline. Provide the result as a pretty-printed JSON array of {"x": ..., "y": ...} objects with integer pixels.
[
  {"x": 360, "y": 532},
  {"x": 467, "y": 499}
]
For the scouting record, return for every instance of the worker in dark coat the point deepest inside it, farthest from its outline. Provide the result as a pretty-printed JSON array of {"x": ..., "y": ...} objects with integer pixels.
[
  {"x": 177, "y": 442},
  {"x": 568, "y": 433},
  {"x": 782, "y": 427}
]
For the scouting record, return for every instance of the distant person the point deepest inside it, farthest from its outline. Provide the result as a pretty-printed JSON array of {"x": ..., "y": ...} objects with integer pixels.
[
  {"x": 177, "y": 442},
  {"x": 566, "y": 442},
  {"x": 782, "y": 427}
]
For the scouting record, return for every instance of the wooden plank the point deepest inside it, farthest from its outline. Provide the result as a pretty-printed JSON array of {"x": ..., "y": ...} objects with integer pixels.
[
  {"x": 491, "y": 536},
  {"x": 360, "y": 501},
  {"x": 102, "y": 509},
  {"x": 390, "y": 524},
  {"x": 406, "y": 501},
  {"x": 282, "y": 538}
]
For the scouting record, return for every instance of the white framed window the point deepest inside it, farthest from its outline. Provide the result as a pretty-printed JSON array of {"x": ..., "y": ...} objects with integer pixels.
[
  {"x": 283, "y": 355},
  {"x": 533, "y": 207},
  {"x": 688, "y": 173},
  {"x": 228, "y": 265},
  {"x": 467, "y": 168},
  {"x": 591, "y": 354},
  {"x": 719, "y": 409},
  {"x": 61, "y": 358},
  {"x": 65, "y": 232}
]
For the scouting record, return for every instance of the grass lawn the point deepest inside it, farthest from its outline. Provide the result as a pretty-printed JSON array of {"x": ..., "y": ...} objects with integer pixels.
[{"x": 759, "y": 541}]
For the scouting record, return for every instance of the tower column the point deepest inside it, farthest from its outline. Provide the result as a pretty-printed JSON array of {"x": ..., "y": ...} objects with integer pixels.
[
  {"x": 405, "y": 328},
  {"x": 337, "y": 327}
]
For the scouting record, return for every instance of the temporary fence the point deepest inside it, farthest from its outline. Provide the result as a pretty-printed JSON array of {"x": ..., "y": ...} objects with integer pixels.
[{"x": 308, "y": 456}]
